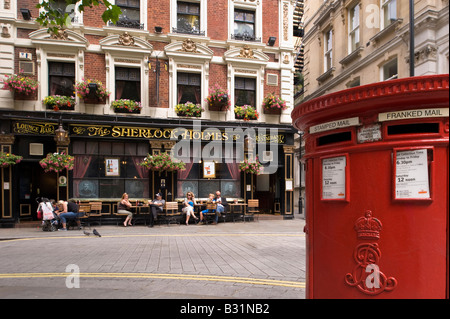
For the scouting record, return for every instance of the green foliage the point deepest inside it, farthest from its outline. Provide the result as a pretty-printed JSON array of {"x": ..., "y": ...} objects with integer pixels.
[{"x": 54, "y": 20}]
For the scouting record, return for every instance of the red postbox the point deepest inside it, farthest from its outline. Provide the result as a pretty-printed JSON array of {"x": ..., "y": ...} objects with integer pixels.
[{"x": 377, "y": 190}]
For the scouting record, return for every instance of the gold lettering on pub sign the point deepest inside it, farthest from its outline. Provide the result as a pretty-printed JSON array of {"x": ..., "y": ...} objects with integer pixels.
[
  {"x": 34, "y": 128},
  {"x": 166, "y": 133}
]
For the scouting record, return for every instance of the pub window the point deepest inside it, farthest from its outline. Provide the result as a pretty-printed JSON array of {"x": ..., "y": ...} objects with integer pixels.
[
  {"x": 244, "y": 25},
  {"x": 189, "y": 88},
  {"x": 90, "y": 180},
  {"x": 130, "y": 17},
  {"x": 188, "y": 17},
  {"x": 245, "y": 91},
  {"x": 128, "y": 83},
  {"x": 61, "y": 78}
]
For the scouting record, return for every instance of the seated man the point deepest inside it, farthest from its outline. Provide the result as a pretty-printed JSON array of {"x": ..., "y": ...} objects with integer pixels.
[
  {"x": 68, "y": 210},
  {"x": 222, "y": 204},
  {"x": 156, "y": 206}
]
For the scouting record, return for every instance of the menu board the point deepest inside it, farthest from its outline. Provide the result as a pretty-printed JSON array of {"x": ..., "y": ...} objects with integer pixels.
[
  {"x": 411, "y": 174},
  {"x": 333, "y": 177}
]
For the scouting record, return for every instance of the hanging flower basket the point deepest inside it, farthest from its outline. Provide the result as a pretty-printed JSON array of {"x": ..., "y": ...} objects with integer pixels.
[
  {"x": 23, "y": 87},
  {"x": 83, "y": 90},
  {"x": 162, "y": 163},
  {"x": 7, "y": 159},
  {"x": 189, "y": 109},
  {"x": 250, "y": 167},
  {"x": 59, "y": 102},
  {"x": 218, "y": 99},
  {"x": 126, "y": 106},
  {"x": 273, "y": 104},
  {"x": 246, "y": 113},
  {"x": 57, "y": 162}
]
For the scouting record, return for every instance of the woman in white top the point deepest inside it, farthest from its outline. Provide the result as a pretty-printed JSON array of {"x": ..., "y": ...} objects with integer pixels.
[{"x": 188, "y": 208}]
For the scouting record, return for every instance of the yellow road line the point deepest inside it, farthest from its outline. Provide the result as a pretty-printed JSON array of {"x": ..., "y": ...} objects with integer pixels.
[
  {"x": 158, "y": 235},
  {"x": 252, "y": 281}
]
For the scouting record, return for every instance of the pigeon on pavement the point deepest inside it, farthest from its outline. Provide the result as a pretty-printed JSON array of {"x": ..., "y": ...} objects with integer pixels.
[
  {"x": 86, "y": 233},
  {"x": 95, "y": 232}
]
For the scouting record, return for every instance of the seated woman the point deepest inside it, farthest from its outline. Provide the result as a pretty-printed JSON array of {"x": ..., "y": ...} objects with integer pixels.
[
  {"x": 188, "y": 207},
  {"x": 123, "y": 207},
  {"x": 208, "y": 211}
]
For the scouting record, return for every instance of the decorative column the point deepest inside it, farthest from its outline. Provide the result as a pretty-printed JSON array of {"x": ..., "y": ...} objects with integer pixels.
[
  {"x": 62, "y": 140},
  {"x": 6, "y": 142},
  {"x": 289, "y": 181}
]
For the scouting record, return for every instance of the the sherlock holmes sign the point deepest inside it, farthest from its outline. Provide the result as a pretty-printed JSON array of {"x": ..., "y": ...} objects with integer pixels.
[{"x": 119, "y": 131}]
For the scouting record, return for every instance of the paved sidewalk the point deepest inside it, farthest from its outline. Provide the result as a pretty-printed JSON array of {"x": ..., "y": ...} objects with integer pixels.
[{"x": 257, "y": 260}]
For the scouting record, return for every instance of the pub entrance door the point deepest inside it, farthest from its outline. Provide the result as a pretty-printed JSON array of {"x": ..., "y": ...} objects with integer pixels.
[
  {"x": 266, "y": 191},
  {"x": 33, "y": 183}
]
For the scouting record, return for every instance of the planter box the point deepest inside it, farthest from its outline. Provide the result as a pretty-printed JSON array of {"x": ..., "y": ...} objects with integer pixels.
[
  {"x": 25, "y": 97},
  {"x": 241, "y": 117},
  {"x": 182, "y": 114},
  {"x": 95, "y": 100},
  {"x": 60, "y": 108},
  {"x": 218, "y": 106},
  {"x": 276, "y": 111},
  {"x": 126, "y": 111}
]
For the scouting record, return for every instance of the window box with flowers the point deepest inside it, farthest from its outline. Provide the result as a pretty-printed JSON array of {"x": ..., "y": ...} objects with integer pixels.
[
  {"x": 83, "y": 90},
  {"x": 189, "y": 109},
  {"x": 23, "y": 87},
  {"x": 218, "y": 99},
  {"x": 162, "y": 163},
  {"x": 126, "y": 106},
  {"x": 245, "y": 112},
  {"x": 57, "y": 162},
  {"x": 273, "y": 104},
  {"x": 59, "y": 102},
  {"x": 250, "y": 167},
  {"x": 7, "y": 159}
]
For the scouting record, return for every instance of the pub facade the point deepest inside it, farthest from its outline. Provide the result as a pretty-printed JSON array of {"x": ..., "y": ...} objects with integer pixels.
[{"x": 161, "y": 62}]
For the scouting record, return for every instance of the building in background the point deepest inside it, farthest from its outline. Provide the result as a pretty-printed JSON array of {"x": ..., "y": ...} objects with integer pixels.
[{"x": 160, "y": 54}]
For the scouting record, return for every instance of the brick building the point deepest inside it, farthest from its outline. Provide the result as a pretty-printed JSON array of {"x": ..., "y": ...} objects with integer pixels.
[{"x": 160, "y": 54}]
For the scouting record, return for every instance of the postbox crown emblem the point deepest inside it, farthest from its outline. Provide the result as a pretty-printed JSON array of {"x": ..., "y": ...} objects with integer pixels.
[{"x": 368, "y": 227}]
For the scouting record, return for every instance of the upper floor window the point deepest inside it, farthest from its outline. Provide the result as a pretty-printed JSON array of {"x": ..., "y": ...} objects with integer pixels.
[
  {"x": 131, "y": 15},
  {"x": 128, "y": 83},
  {"x": 61, "y": 78},
  {"x": 189, "y": 88},
  {"x": 389, "y": 71},
  {"x": 244, "y": 25},
  {"x": 62, "y": 7},
  {"x": 388, "y": 12},
  {"x": 353, "y": 32},
  {"x": 328, "y": 49},
  {"x": 188, "y": 18},
  {"x": 245, "y": 91}
]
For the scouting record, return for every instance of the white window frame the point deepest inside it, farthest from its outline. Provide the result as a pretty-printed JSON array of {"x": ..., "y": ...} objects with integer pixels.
[
  {"x": 328, "y": 50},
  {"x": 142, "y": 13},
  {"x": 389, "y": 6},
  {"x": 203, "y": 15},
  {"x": 382, "y": 70},
  {"x": 354, "y": 31},
  {"x": 255, "y": 6}
]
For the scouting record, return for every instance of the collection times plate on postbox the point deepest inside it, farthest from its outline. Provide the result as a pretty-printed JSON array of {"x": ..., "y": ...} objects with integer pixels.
[
  {"x": 411, "y": 174},
  {"x": 333, "y": 177}
]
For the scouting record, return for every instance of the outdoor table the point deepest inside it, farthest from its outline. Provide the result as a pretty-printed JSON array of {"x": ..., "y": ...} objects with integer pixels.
[{"x": 233, "y": 210}]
